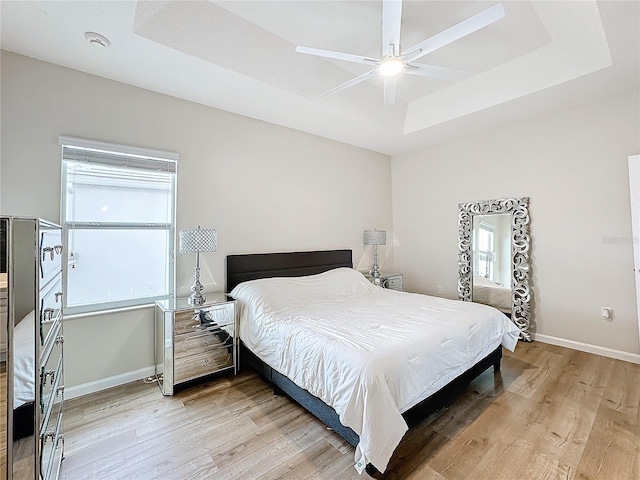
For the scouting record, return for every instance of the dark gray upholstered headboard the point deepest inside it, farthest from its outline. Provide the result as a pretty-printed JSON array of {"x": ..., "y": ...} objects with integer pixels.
[{"x": 241, "y": 268}]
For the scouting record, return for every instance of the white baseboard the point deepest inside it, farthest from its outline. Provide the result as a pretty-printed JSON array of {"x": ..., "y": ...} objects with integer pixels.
[
  {"x": 586, "y": 347},
  {"x": 103, "y": 384}
]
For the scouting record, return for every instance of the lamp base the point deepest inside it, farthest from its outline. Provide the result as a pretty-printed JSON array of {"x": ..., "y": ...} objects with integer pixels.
[
  {"x": 375, "y": 268},
  {"x": 196, "y": 297},
  {"x": 375, "y": 271}
]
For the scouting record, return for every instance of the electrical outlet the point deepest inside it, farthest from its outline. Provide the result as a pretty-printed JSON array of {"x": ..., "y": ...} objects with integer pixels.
[
  {"x": 440, "y": 290},
  {"x": 606, "y": 312}
]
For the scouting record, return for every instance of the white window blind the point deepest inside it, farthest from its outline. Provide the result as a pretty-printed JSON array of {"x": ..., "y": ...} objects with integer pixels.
[{"x": 118, "y": 216}]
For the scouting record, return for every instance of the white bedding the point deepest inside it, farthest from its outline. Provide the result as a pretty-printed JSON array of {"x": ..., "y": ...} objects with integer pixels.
[
  {"x": 491, "y": 293},
  {"x": 24, "y": 338},
  {"x": 368, "y": 352}
]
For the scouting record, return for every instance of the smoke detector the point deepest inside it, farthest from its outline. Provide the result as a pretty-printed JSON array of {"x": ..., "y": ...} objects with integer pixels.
[{"x": 97, "y": 39}]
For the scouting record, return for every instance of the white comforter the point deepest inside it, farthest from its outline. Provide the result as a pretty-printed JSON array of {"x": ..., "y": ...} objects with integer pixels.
[{"x": 369, "y": 353}]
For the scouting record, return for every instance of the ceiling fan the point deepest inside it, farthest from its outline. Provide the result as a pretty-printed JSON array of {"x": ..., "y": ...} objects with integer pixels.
[{"x": 395, "y": 61}]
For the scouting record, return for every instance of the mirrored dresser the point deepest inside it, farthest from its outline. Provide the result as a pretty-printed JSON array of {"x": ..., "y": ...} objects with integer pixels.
[
  {"x": 194, "y": 341},
  {"x": 31, "y": 348}
]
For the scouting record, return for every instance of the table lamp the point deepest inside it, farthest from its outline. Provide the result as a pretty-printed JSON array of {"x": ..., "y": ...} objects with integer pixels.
[{"x": 197, "y": 241}]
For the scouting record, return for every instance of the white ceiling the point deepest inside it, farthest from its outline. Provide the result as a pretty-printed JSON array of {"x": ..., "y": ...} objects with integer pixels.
[{"x": 239, "y": 56}]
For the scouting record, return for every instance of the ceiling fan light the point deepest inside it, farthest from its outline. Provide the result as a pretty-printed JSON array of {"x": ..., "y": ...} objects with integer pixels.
[{"x": 390, "y": 67}]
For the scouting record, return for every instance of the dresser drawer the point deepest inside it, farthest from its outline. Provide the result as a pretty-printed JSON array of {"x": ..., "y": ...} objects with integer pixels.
[
  {"x": 53, "y": 345},
  {"x": 195, "y": 366},
  {"x": 50, "y": 254},
  {"x": 189, "y": 321},
  {"x": 203, "y": 340},
  {"x": 50, "y": 441},
  {"x": 56, "y": 458},
  {"x": 51, "y": 390},
  {"x": 51, "y": 380},
  {"x": 50, "y": 308}
]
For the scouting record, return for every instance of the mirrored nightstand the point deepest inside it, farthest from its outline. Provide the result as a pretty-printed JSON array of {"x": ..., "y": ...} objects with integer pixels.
[{"x": 194, "y": 341}]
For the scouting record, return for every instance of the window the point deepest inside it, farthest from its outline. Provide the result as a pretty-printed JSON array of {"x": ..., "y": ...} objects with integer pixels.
[{"x": 118, "y": 216}]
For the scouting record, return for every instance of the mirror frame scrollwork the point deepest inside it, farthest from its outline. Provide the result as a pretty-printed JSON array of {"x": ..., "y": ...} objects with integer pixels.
[{"x": 520, "y": 247}]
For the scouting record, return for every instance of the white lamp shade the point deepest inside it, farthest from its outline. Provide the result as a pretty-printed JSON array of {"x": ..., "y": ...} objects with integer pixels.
[
  {"x": 375, "y": 237},
  {"x": 198, "y": 240}
]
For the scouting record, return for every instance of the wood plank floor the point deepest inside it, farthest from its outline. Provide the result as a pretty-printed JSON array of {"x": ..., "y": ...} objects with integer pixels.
[{"x": 551, "y": 413}]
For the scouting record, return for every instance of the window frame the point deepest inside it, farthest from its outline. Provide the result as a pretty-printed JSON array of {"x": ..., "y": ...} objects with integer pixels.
[{"x": 138, "y": 156}]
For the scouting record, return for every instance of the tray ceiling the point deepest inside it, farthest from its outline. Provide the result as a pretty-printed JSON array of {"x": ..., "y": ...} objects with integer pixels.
[{"x": 239, "y": 56}]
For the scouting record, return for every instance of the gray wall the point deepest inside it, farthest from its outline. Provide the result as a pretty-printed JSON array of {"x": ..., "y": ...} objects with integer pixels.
[
  {"x": 268, "y": 188},
  {"x": 573, "y": 164},
  {"x": 264, "y": 187}
]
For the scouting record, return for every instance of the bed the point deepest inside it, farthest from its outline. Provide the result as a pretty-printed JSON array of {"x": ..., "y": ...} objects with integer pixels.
[
  {"x": 491, "y": 293},
  {"x": 366, "y": 361}
]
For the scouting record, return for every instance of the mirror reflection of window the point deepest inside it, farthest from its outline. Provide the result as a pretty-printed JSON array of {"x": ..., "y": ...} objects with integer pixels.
[
  {"x": 485, "y": 253},
  {"x": 491, "y": 248}
]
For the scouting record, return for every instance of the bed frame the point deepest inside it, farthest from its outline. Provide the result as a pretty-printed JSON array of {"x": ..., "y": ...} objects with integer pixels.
[
  {"x": 241, "y": 268},
  {"x": 24, "y": 421}
]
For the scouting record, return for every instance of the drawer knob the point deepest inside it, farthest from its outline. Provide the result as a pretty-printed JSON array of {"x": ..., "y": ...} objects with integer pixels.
[
  {"x": 46, "y": 250},
  {"x": 47, "y": 314},
  {"x": 50, "y": 435},
  {"x": 59, "y": 295},
  {"x": 52, "y": 251},
  {"x": 59, "y": 390},
  {"x": 59, "y": 340},
  {"x": 46, "y": 374}
]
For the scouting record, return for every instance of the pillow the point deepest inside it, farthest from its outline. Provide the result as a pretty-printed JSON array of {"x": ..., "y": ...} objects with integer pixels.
[{"x": 273, "y": 294}]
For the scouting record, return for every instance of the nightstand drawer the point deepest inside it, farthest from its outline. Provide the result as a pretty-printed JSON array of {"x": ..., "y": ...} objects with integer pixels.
[
  {"x": 393, "y": 282},
  {"x": 195, "y": 366},
  {"x": 189, "y": 321},
  {"x": 220, "y": 314},
  {"x": 196, "y": 343}
]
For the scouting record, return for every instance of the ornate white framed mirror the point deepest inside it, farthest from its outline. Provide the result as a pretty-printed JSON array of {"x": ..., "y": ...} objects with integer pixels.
[{"x": 493, "y": 260}]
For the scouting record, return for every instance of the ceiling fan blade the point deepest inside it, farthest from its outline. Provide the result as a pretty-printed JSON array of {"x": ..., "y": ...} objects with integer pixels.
[
  {"x": 352, "y": 82},
  {"x": 391, "y": 17},
  {"x": 435, "y": 71},
  {"x": 454, "y": 33},
  {"x": 390, "y": 91},
  {"x": 348, "y": 57}
]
